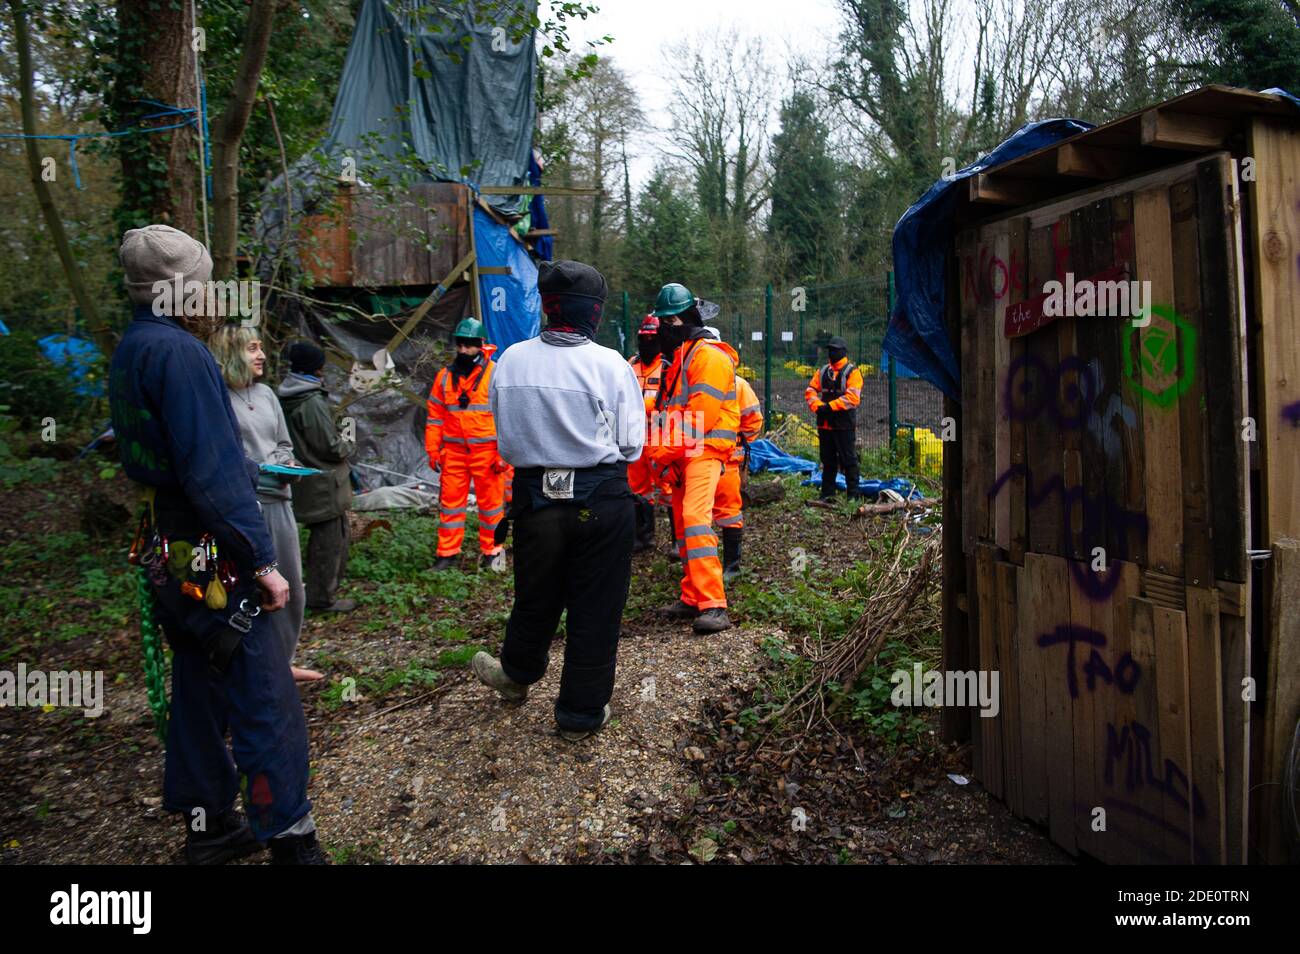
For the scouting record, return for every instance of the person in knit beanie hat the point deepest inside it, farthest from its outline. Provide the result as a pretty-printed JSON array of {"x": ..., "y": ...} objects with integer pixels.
[
  {"x": 159, "y": 261},
  {"x": 179, "y": 441}
]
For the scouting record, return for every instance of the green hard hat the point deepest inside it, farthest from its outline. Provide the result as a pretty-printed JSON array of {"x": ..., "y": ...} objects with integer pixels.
[
  {"x": 470, "y": 328},
  {"x": 673, "y": 300}
]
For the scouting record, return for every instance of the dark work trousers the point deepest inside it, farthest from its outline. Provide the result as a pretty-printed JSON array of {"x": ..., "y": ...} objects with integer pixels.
[
  {"x": 257, "y": 703},
  {"x": 327, "y": 559},
  {"x": 838, "y": 452},
  {"x": 576, "y": 558}
]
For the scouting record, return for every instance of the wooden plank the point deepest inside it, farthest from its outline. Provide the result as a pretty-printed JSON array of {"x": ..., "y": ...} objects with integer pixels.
[
  {"x": 1198, "y": 557},
  {"x": 1095, "y": 380},
  {"x": 1275, "y": 245},
  {"x": 1118, "y": 420},
  {"x": 968, "y": 341},
  {"x": 999, "y": 421},
  {"x": 1168, "y": 129},
  {"x": 975, "y": 636},
  {"x": 1114, "y": 704},
  {"x": 1175, "y": 731},
  {"x": 1004, "y": 190},
  {"x": 989, "y": 728},
  {"x": 1281, "y": 700},
  {"x": 1036, "y": 616},
  {"x": 1052, "y": 597},
  {"x": 1075, "y": 657},
  {"x": 954, "y": 725},
  {"x": 1008, "y": 627},
  {"x": 1161, "y": 439},
  {"x": 985, "y": 401},
  {"x": 1136, "y": 760},
  {"x": 1204, "y": 684},
  {"x": 1234, "y": 632},
  {"x": 1017, "y": 508},
  {"x": 1220, "y": 346},
  {"x": 1094, "y": 162},
  {"x": 1032, "y": 392}
]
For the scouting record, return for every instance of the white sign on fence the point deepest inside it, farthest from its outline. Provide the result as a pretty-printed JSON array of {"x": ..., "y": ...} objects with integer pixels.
[
  {"x": 787, "y": 336},
  {"x": 757, "y": 336}
]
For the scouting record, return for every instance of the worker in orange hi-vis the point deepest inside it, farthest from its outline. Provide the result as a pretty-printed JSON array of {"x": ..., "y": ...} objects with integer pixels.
[
  {"x": 461, "y": 439},
  {"x": 833, "y": 396},
  {"x": 648, "y": 364},
  {"x": 728, "y": 506},
  {"x": 697, "y": 417}
]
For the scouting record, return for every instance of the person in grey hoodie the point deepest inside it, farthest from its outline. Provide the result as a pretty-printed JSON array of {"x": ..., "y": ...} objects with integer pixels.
[
  {"x": 322, "y": 501},
  {"x": 265, "y": 435},
  {"x": 569, "y": 416}
]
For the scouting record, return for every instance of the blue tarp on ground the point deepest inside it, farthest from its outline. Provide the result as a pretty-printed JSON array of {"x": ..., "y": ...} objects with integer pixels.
[
  {"x": 764, "y": 455},
  {"x": 871, "y": 488},
  {"x": 916, "y": 333},
  {"x": 77, "y": 356},
  {"x": 512, "y": 306}
]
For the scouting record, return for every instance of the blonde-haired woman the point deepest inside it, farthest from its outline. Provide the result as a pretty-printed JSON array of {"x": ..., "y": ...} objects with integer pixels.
[{"x": 238, "y": 352}]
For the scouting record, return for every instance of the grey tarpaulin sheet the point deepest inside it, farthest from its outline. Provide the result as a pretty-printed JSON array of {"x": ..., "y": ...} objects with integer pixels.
[{"x": 401, "y": 89}]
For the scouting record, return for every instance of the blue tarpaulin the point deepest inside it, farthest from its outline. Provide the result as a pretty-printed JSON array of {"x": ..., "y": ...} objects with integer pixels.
[
  {"x": 538, "y": 219},
  {"x": 512, "y": 306},
  {"x": 77, "y": 356},
  {"x": 900, "y": 370},
  {"x": 870, "y": 488},
  {"x": 764, "y": 455},
  {"x": 916, "y": 333}
]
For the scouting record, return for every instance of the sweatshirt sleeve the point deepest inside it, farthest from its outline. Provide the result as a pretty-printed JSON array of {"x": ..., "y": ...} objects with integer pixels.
[
  {"x": 208, "y": 457},
  {"x": 630, "y": 411},
  {"x": 283, "y": 453},
  {"x": 323, "y": 436}
]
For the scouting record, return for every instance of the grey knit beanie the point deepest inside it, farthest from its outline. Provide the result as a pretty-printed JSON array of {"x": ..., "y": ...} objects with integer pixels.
[{"x": 158, "y": 253}]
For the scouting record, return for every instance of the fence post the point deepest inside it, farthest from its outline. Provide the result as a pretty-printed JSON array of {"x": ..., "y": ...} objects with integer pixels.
[
  {"x": 767, "y": 356},
  {"x": 893, "y": 371},
  {"x": 627, "y": 324}
]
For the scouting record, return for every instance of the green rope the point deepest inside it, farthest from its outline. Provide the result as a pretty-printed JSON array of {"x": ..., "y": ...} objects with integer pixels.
[{"x": 155, "y": 661}]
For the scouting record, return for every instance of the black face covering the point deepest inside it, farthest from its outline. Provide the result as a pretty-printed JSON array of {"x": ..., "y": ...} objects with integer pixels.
[
  {"x": 836, "y": 353},
  {"x": 464, "y": 363},
  {"x": 647, "y": 348},
  {"x": 670, "y": 339}
]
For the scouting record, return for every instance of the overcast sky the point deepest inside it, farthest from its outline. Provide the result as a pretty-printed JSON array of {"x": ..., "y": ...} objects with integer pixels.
[{"x": 644, "y": 29}]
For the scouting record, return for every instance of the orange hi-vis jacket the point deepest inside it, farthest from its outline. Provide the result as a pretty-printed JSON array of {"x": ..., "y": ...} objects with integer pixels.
[
  {"x": 848, "y": 401},
  {"x": 696, "y": 412},
  {"x": 751, "y": 416},
  {"x": 450, "y": 425},
  {"x": 650, "y": 377}
]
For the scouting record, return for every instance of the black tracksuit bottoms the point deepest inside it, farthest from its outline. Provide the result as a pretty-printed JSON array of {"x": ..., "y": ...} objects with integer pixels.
[
  {"x": 838, "y": 452},
  {"x": 574, "y": 557}
]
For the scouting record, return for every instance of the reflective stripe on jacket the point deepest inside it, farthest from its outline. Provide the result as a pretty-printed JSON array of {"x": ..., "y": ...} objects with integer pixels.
[
  {"x": 700, "y": 414},
  {"x": 451, "y": 425},
  {"x": 751, "y": 416}
]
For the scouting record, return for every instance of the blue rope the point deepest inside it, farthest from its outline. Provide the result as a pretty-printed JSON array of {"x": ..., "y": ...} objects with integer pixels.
[{"x": 164, "y": 110}]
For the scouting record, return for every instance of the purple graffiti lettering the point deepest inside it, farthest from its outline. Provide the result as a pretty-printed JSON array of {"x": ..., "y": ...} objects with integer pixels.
[
  {"x": 1070, "y": 635},
  {"x": 1066, "y": 393},
  {"x": 1292, "y": 413},
  {"x": 1096, "y": 512},
  {"x": 1134, "y": 747}
]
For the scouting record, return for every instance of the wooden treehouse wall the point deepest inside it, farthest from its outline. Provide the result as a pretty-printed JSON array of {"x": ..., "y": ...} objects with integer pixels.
[{"x": 1091, "y": 443}]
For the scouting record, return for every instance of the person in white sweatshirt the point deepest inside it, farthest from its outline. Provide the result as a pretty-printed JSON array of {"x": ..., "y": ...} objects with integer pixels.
[{"x": 570, "y": 417}]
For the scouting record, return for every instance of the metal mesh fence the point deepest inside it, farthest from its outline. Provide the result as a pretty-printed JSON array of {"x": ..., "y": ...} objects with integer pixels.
[{"x": 780, "y": 363}]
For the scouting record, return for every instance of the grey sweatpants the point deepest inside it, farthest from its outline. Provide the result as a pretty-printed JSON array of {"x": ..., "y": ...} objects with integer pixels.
[{"x": 286, "y": 622}]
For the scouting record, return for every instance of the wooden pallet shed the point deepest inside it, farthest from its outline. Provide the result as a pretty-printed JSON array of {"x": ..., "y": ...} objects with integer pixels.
[{"x": 1112, "y": 477}]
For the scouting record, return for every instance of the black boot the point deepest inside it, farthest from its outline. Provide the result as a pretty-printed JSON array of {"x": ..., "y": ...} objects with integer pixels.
[
  {"x": 297, "y": 850},
  {"x": 731, "y": 540},
  {"x": 446, "y": 563},
  {"x": 227, "y": 837}
]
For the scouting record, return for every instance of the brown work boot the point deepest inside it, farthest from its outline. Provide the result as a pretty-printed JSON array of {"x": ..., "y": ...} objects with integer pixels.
[
  {"x": 488, "y": 669},
  {"x": 713, "y": 620},
  {"x": 679, "y": 610}
]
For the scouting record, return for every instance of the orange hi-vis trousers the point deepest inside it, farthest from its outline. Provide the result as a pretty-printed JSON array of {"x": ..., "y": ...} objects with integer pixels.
[
  {"x": 727, "y": 506},
  {"x": 461, "y": 464},
  {"x": 693, "y": 498}
]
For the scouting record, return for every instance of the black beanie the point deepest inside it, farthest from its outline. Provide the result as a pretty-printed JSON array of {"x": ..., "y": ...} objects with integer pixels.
[
  {"x": 573, "y": 296},
  {"x": 305, "y": 358}
]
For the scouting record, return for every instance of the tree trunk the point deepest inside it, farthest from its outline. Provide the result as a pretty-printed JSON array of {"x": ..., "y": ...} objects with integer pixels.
[
  {"x": 157, "y": 61},
  {"x": 89, "y": 307},
  {"x": 228, "y": 133}
]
